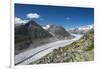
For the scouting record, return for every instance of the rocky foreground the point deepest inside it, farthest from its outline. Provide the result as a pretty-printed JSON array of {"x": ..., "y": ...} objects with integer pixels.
[{"x": 78, "y": 51}]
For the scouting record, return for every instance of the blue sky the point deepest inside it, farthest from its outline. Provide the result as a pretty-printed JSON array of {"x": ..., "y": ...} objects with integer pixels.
[{"x": 68, "y": 17}]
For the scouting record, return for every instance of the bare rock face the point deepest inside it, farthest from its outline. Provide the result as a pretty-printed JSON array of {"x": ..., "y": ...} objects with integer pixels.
[{"x": 32, "y": 29}]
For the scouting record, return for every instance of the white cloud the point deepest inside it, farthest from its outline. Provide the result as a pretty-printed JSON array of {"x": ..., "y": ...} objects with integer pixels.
[
  {"x": 33, "y": 15},
  {"x": 19, "y": 20}
]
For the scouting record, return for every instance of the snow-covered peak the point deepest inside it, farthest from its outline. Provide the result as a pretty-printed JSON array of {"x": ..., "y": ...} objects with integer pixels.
[
  {"x": 46, "y": 27},
  {"x": 87, "y": 27},
  {"x": 81, "y": 29}
]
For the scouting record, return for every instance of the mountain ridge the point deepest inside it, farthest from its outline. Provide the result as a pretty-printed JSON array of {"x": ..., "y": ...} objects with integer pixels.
[
  {"x": 81, "y": 29},
  {"x": 32, "y": 34}
]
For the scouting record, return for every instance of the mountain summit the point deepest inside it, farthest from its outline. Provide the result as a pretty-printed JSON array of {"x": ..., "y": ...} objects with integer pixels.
[{"x": 58, "y": 31}]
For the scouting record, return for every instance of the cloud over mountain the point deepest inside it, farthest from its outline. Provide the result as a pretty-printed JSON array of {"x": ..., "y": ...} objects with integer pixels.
[
  {"x": 19, "y": 20},
  {"x": 33, "y": 15}
]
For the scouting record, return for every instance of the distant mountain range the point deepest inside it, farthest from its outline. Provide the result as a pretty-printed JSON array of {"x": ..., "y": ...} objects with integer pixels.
[{"x": 81, "y": 30}]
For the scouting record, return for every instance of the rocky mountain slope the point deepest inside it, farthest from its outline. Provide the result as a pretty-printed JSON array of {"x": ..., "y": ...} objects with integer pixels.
[
  {"x": 26, "y": 34},
  {"x": 58, "y": 31},
  {"x": 31, "y": 34},
  {"x": 80, "y": 50}
]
